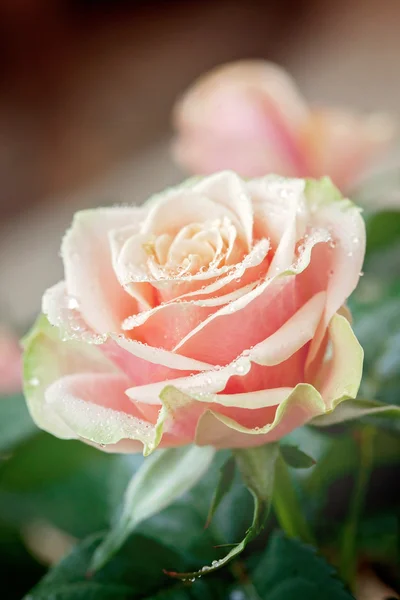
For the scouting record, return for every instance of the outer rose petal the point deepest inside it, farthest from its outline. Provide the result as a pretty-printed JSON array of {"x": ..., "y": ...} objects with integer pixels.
[
  {"x": 46, "y": 358},
  {"x": 344, "y": 221},
  {"x": 95, "y": 408},
  {"x": 69, "y": 387},
  {"x": 89, "y": 273},
  {"x": 302, "y": 404}
]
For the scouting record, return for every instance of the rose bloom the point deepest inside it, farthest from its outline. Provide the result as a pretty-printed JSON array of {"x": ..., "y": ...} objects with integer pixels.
[
  {"x": 249, "y": 116},
  {"x": 212, "y": 314}
]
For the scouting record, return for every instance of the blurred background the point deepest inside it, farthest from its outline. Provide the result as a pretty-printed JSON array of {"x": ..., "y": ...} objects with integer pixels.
[{"x": 87, "y": 86}]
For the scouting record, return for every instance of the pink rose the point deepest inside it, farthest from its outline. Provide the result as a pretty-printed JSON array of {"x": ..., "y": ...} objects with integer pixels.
[
  {"x": 10, "y": 363},
  {"x": 211, "y": 314},
  {"x": 249, "y": 116}
]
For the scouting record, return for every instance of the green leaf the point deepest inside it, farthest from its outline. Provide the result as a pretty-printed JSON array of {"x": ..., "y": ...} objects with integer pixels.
[
  {"x": 161, "y": 479},
  {"x": 135, "y": 572},
  {"x": 354, "y": 409},
  {"x": 19, "y": 570},
  {"x": 296, "y": 458},
  {"x": 227, "y": 475},
  {"x": 339, "y": 458},
  {"x": 286, "y": 504},
  {"x": 16, "y": 424},
  {"x": 376, "y": 308},
  {"x": 348, "y": 554},
  {"x": 64, "y": 483},
  {"x": 290, "y": 569},
  {"x": 257, "y": 467},
  {"x": 383, "y": 229},
  {"x": 189, "y": 513}
]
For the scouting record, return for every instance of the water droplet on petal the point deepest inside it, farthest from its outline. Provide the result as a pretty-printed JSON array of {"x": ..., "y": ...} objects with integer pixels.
[{"x": 72, "y": 303}]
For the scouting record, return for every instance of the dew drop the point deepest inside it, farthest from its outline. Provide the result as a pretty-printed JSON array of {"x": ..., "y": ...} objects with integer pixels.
[
  {"x": 72, "y": 303},
  {"x": 34, "y": 382}
]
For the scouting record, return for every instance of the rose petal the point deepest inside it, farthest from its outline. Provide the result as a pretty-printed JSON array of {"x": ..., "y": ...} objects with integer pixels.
[
  {"x": 129, "y": 263},
  {"x": 95, "y": 407},
  {"x": 299, "y": 407},
  {"x": 182, "y": 206},
  {"x": 281, "y": 290},
  {"x": 278, "y": 348},
  {"x": 346, "y": 251},
  {"x": 343, "y": 144},
  {"x": 339, "y": 378},
  {"x": 230, "y": 191},
  {"x": 243, "y": 105},
  {"x": 45, "y": 360},
  {"x": 89, "y": 274}
]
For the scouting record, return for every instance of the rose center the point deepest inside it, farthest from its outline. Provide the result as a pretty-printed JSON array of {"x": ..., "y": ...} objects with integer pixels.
[{"x": 196, "y": 247}]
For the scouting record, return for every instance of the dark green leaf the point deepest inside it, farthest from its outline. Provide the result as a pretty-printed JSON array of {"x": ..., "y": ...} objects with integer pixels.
[
  {"x": 19, "y": 571},
  {"x": 189, "y": 514},
  {"x": 16, "y": 424},
  {"x": 227, "y": 475},
  {"x": 376, "y": 309},
  {"x": 289, "y": 569},
  {"x": 134, "y": 572},
  {"x": 296, "y": 458},
  {"x": 340, "y": 458},
  {"x": 63, "y": 482},
  {"x": 383, "y": 229},
  {"x": 162, "y": 478},
  {"x": 257, "y": 468}
]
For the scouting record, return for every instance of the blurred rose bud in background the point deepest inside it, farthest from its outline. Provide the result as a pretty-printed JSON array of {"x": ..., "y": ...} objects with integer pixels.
[
  {"x": 249, "y": 116},
  {"x": 10, "y": 362}
]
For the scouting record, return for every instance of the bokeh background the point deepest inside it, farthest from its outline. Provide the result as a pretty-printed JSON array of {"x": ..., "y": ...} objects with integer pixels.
[{"x": 86, "y": 92}]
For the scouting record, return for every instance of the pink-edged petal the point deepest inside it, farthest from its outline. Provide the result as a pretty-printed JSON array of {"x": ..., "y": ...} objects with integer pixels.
[{"x": 89, "y": 273}]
